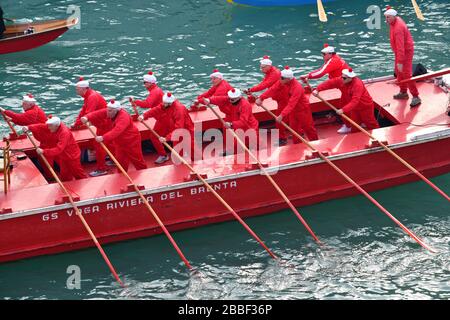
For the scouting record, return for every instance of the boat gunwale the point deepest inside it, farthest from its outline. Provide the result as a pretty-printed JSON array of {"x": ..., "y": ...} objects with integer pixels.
[{"x": 182, "y": 185}]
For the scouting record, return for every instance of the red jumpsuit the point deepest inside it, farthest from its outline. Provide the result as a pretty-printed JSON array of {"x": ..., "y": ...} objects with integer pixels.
[
  {"x": 124, "y": 136},
  {"x": 357, "y": 102},
  {"x": 220, "y": 90},
  {"x": 240, "y": 115},
  {"x": 270, "y": 78},
  {"x": 332, "y": 67},
  {"x": 30, "y": 116},
  {"x": 297, "y": 108},
  {"x": 94, "y": 101},
  {"x": 402, "y": 44},
  {"x": 154, "y": 98},
  {"x": 178, "y": 117},
  {"x": 62, "y": 147}
]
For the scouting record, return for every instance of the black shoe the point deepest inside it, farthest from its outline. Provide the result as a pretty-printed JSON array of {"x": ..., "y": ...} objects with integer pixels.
[
  {"x": 282, "y": 142},
  {"x": 415, "y": 102}
]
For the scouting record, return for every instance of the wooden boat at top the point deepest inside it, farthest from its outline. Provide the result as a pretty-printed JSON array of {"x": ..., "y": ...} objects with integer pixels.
[
  {"x": 14, "y": 39},
  {"x": 36, "y": 218},
  {"x": 275, "y": 3}
]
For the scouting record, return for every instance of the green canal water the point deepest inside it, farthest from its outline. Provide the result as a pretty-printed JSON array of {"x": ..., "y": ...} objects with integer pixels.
[{"x": 367, "y": 256}]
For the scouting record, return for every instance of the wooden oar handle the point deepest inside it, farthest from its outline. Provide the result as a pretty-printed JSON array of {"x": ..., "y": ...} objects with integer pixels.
[{"x": 9, "y": 123}]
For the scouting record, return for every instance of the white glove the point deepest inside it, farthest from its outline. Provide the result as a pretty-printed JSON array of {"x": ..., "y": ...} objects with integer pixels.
[
  {"x": 84, "y": 119},
  {"x": 141, "y": 118},
  {"x": 25, "y": 129},
  {"x": 40, "y": 151},
  {"x": 258, "y": 102},
  {"x": 228, "y": 124},
  {"x": 206, "y": 101},
  {"x": 2, "y": 109},
  {"x": 315, "y": 92},
  {"x": 99, "y": 139}
]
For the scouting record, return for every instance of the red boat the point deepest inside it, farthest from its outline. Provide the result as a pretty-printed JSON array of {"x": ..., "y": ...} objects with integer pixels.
[
  {"x": 36, "y": 218},
  {"x": 15, "y": 38}
]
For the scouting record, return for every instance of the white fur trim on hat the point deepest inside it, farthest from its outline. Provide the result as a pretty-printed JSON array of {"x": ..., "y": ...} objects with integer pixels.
[
  {"x": 216, "y": 74},
  {"x": 287, "y": 73},
  {"x": 327, "y": 49},
  {"x": 168, "y": 97},
  {"x": 149, "y": 77},
  {"x": 390, "y": 12},
  {"x": 349, "y": 73},
  {"x": 113, "y": 104},
  {"x": 266, "y": 61},
  {"x": 29, "y": 98},
  {"x": 54, "y": 120},
  {"x": 82, "y": 83},
  {"x": 234, "y": 93}
]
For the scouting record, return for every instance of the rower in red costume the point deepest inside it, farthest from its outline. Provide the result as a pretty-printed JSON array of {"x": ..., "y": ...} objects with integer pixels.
[
  {"x": 332, "y": 67},
  {"x": 271, "y": 76},
  {"x": 162, "y": 123},
  {"x": 402, "y": 45},
  {"x": 297, "y": 107},
  {"x": 238, "y": 114},
  {"x": 219, "y": 87},
  {"x": 124, "y": 135},
  {"x": 32, "y": 113},
  {"x": 93, "y": 101},
  {"x": 181, "y": 124},
  {"x": 357, "y": 102},
  {"x": 62, "y": 147}
]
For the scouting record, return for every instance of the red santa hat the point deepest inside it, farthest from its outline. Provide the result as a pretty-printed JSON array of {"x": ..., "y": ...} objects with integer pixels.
[
  {"x": 150, "y": 77},
  {"x": 82, "y": 83},
  {"x": 266, "y": 61},
  {"x": 216, "y": 74},
  {"x": 168, "y": 97},
  {"x": 113, "y": 104},
  {"x": 287, "y": 73},
  {"x": 349, "y": 73},
  {"x": 29, "y": 98},
  {"x": 327, "y": 48},
  {"x": 53, "y": 120},
  {"x": 234, "y": 93},
  {"x": 390, "y": 12}
]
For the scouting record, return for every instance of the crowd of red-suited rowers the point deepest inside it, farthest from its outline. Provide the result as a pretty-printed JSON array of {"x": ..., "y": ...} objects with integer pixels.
[{"x": 116, "y": 130}]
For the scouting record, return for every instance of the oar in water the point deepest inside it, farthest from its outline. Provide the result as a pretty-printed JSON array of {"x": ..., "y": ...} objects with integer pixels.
[
  {"x": 286, "y": 199},
  {"x": 406, "y": 164},
  {"x": 417, "y": 10},
  {"x": 78, "y": 212},
  {"x": 321, "y": 11},
  {"x": 9, "y": 123},
  {"x": 149, "y": 207},
  {"x": 207, "y": 185},
  {"x": 357, "y": 186}
]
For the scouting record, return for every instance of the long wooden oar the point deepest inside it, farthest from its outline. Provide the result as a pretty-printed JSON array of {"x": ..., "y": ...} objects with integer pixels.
[
  {"x": 417, "y": 10},
  {"x": 78, "y": 212},
  {"x": 207, "y": 185},
  {"x": 410, "y": 167},
  {"x": 133, "y": 104},
  {"x": 9, "y": 123},
  {"x": 149, "y": 207},
  {"x": 424, "y": 77},
  {"x": 321, "y": 11},
  {"x": 286, "y": 199},
  {"x": 357, "y": 186}
]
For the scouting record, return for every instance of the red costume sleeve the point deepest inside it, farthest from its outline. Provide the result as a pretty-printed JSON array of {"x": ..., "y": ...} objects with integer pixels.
[
  {"x": 121, "y": 123},
  {"x": 272, "y": 77},
  {"x": 208, "y": 93},
  {"x": 97, "y": 117},
  {"x": 271, "y": 91},
  {"x": 328, "y": 67},
  {"x": 153, "y": 112},
  {"x": 330, "y": 84},
  {"x": 222, "y": 102},
  {"x": 357, "y": 92},
  {"x": 61, "y": 144},
  {"x": 295, "y": 94},
  {"x": 21, "y": 119},
  {"x": 244, "y": 118},
  {"x": 399, "y": 45}
]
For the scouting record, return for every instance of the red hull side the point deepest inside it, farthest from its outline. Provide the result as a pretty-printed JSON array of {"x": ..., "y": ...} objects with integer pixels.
[
  {"x": 49, "y": 231},
  {"x": 30, "y": 41}
]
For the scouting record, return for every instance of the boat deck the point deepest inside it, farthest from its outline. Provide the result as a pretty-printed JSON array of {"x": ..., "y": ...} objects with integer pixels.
[{"x": 28, "y": 183}]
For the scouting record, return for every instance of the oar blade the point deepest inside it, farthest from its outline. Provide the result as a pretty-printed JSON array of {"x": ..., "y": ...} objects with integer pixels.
[{"x": 321, "y": 11}]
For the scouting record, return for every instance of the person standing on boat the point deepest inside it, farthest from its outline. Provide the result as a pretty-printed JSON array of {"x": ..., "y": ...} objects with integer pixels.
[
  {"x": 402, "y": 45},
  {"x": 32, "y": 113},
  {"x": 179, "y": 118},
  {"x": 238, "y": 112},
  {"x": 154, "y": 99},
  {"x": 123, "y": 135},
  {"x": 64, "y": 149},
  {"x": 2, "y": 22},
  {"x": 219, "y": 87},
  {"x": 333, "y": 66},
  {"x": 357, "y": 102},
  {"x": 93, "y": 101},
  {"x": 297, "y": 106}
]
